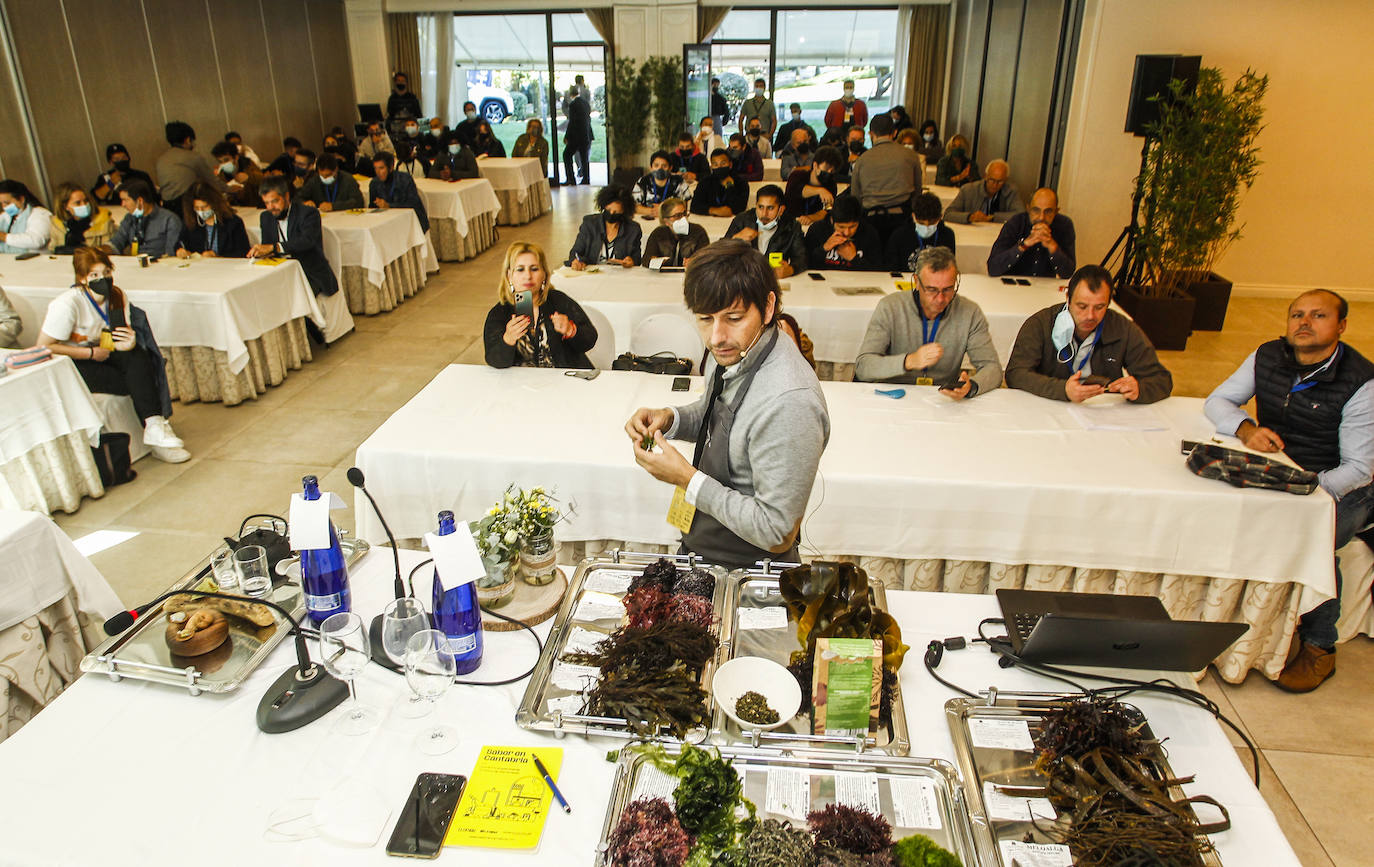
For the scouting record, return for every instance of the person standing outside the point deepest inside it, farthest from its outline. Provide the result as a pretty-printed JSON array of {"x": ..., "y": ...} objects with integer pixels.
[
  {"x": 577, "y": 138},
  {"x": 847, "y": 110}
]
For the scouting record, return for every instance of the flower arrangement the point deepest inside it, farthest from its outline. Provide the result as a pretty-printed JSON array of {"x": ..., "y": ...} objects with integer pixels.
[
  {"x": 509, "y": 524},
  {"x": 535, "y": 510}
]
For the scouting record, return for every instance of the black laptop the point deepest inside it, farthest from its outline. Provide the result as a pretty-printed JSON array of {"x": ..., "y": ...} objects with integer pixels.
[
  {"x": 1104, "y": 629},
  {"x": 370, "y": 111}
]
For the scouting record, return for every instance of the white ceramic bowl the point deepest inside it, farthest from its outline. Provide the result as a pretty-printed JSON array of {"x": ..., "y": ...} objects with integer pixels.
[{"x": 754, "y": 673}]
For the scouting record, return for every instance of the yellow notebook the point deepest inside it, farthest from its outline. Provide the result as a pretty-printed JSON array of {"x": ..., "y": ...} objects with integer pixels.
[
  {"x": 270, "y": 260},
  {"x": 506, "y": 800}
]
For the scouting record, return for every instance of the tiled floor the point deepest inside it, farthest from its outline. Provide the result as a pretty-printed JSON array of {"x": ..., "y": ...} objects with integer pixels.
[{"x": 1317, "y": 749}]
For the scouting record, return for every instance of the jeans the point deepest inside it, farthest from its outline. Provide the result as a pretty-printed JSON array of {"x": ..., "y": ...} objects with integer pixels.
[{"x": 1353, "y": 513}]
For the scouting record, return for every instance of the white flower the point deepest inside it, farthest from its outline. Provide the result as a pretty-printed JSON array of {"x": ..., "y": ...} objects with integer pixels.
[{"x": 511, "y": 537}]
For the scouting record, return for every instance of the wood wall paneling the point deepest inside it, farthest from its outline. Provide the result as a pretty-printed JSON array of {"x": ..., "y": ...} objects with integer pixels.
[
  {"x": 1034, "y": 87},
  {"x": 17, "y": 159},
  {"x": 241, "y": 45},
  {"x": 333, "y": 70},
  {"x": 183, "y": 50},
  {"x": 298, "y": 101},
  {"x": 999, "y": 81}
]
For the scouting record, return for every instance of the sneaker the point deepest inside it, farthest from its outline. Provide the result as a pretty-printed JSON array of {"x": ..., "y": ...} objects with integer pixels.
[
  {"x": 1306, "y": 671},
  {"x": 170, "y": 456},
  {"x": 157, "y": 433}
]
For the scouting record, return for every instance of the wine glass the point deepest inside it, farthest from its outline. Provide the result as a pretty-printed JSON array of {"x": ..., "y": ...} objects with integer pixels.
[
  {"x": 402, "y": 619},
  {"x": 430, "y": 669},
  {"x": 345, "y": 652}
]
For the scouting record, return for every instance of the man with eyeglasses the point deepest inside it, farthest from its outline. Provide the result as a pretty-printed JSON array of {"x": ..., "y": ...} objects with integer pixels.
[
  {"x": 994, "y": 199},
  {"x": 676, "y": 239},
  {"x": 921, "y": 337}
]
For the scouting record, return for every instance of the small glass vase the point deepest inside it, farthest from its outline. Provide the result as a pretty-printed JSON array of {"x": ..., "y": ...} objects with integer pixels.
[
  {"x": 539, "y": 559},
  {"x": 500, "y": 593}
]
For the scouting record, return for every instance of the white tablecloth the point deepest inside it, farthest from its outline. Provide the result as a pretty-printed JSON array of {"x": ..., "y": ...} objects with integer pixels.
[
  {"x": 459, "y": 201},
  {"x": 252, "y": 774},
  {"x": 972, "y": 245},
  {"x": 835, "y": 323},
  {"x": 39, "y": 565},
  {"x": 1006, "y": 477},
  {"x": 43, "y": 403},
  {"x": 512, "y": 173},
  {"x": 219, "y": 303},
  {"x": 370, "y": 240}
]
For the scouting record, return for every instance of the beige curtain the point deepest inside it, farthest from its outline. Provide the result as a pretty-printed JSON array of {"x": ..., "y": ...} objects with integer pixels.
[
  {"x": 921, "y": 68},
  {"x": 708, "y": 19},
  {"x": 403, "y": 44},
  {"x": 603, "y": 19}
]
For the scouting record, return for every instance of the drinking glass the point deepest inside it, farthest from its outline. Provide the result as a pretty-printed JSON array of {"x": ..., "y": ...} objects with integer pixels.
[
  {"x": 222, "y": 567},
  {"x": 250, "y": 561},
  {"x": 430, "y": 669},
  {"x": 345, "y": 651},
  {"x": 402, "y": 619}
]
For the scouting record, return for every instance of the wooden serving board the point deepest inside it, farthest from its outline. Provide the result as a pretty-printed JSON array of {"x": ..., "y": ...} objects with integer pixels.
[{"x": 530, "y": 604}]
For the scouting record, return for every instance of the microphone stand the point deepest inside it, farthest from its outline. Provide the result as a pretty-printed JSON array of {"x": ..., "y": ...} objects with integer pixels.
[{"x": 379, "y": 655}]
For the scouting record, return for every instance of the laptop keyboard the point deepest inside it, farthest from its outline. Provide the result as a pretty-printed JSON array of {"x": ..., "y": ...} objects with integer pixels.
[{"x": 1023, "y": 623}]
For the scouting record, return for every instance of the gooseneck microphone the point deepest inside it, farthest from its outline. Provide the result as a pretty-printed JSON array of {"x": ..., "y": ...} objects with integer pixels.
[
  {"x": 379, "y": 654},
  {"x": 301, "y": 695}
]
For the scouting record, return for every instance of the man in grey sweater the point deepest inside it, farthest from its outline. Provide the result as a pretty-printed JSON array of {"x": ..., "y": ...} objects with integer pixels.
[
  {"x": 10, "y": 323},
  {"x": 921, "y": 337},
  {"x": 759, "y": 430},
  {"x": 994, "y": 199}
]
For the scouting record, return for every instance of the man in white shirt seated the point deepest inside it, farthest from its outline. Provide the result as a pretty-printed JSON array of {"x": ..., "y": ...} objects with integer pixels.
[{"x": 25, "y": 225}]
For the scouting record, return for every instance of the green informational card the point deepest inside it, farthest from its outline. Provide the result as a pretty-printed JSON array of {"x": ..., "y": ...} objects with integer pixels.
[{"x": 846, "y": 686}]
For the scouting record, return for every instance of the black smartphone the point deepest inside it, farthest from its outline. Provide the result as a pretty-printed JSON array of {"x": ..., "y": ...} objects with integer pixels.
[
  {"x": 424, "y": 818},
  {"x": 952, "y": 383},
  {"x": 815, "y": 275},
  {"x": 524, "y": 304},
  {"x": 117, "y": 317},
  {"x": 681, "y": 383},
  {"x": 22, "y": 256},
  {"x": 897, "y": 274},
  {"x": 1022, "y": 281},
  {"x": 1103, "y": 381},
  {"x": 1009, "y": 281}
]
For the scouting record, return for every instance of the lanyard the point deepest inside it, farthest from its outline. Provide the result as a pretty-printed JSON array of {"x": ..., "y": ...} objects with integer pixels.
[
  {"x": 659, "y": 192},
  {"x": 1096, "y": 336},
  {"x": 332, "y": 190},
  {"x": 210, "y": 239},
  {"x": 103, "y": 315},
  {"x": 927, "y": 335}
]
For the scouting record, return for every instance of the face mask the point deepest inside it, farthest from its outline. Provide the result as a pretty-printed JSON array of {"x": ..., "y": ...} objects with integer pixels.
[
  {"x": 81, "y": 212},
  {"x": 1062, "y": 332},
  {"x": 435, "y": 130},
  {"x": 721, "y": 173},
  {"x": 758, "y": 91},
  {"x": 957, "y": 153},
  {"x": 929, "y": 137},
  {"x": 825, "y": 177},
  {"x": 660, "y": 174},
  {"x": 734, "y": 154},
  {"x": 11, "y": 209},
  {"x": 227, "y": 168},
  {"x": 796, "y": 117},
  {"x": 680, "y": 226},
  {"x": 121, "y": 165},
  {"x": 848, "y": 93},
  {"x": 909, "y": 146},
  {"x": 925, "y": 232},
  {"x": 100, "y": 285},
  {"x": 453, "y": 148},
  {"x": 204, "y": 216},
  {"x": 326, "y": 181},
  {"x": 138, "y": 212},
  {"x": 300, "y": 172},
  {"x": 754, "y": 132},
  {"x": 611, "y": 217},
  {"x": 412, "y": 131},
  {"x": 400, "y": 88},
  {"x": 470, "y": 115},
  {"x": 856, "y": 147},
  {"x": 768, "y": 227},
  {"x": 706, "y": 131},
  {"x": 686, "y": 152}
]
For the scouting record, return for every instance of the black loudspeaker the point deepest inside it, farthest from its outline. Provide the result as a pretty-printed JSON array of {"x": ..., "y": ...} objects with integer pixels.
[{"x": 1153, "y": 72}]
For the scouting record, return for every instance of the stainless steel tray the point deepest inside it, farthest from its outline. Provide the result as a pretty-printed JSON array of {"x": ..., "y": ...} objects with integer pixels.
[
  {"x": 1009, "y": 767},
  {"x": 536, "y": 712},
  {"x": 938, "y": 782},
  {"x": 141, "y": 652},
  {"x": 759, "y": 589}
]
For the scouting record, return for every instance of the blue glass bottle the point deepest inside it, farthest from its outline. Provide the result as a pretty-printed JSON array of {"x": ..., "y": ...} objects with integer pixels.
[
  {"x": 457, "y": 613},
  {"x": 324, "y": 573}
]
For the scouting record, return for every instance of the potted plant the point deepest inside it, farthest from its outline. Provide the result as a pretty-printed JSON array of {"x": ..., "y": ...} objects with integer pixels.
[
  {"x": 536, "y": 515},
  {"x": 670, "y": 99},
  {"x": 627, "y": 116},
  {"x": 1200, "y": 159},
  {"x": 498, "y": 541}
]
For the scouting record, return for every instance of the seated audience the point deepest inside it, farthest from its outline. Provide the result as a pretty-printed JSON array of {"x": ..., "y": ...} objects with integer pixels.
[
  {"x": 797, "y": 154},
  {"x": 457, "y": 161},
  {"x": 1313, "y": 401},
  {"x": 391, "y": 189},
  {"x": 885, "y": 178},
  {"x": 180, "y": 166},
  {"x": 1038, "y": 242},
  {"x": 994, "y": 199},
  {"x": 210, "y": 226},
  {"x": 532, "y": 143},
  {"x": 147, "y": 229},
  {"x": 657, "y": 186},
  {"x": 111, "y": 358},
  {"x": 432, "y": 142},
  {"x": 409, "y": 161},
  {"x": 755, "y": 138},
  {"x": 748, "y": 165},
  {"x": 811, "y": 190},
  {"x": 486, "y": 144},
  {"x": 467, "y": 127},
  {"x": 375, "y": 143},
  {"x": 922, "y": 337},
  {"x": 294, "y": 231},
  {"x": 558, "y": 335},
  {"x": 784, "y": 134},
  {"x": 289, "y": 146},
  {"x": 11, "y": 325},
  {"x": 610, "y": 236},
  {"x": 1064, "y": 344},
  {"x": 77, "y": 221},
  {"x": 720, "y": 193},
  {"x": 844, "y": 240},
  {"x": 900, "y": 119},
  {"x": 929, "y": 147},
  {"x": 708, "y": 138},
  {"x": 240, "y": 174},
  {"x": 687, "y": 162},
  {"x": 909, "y": 139},
  {"x": 676, "y": 239},
  {"x": 956, "y": 167},
  {"x": 339, "y": 144},
  {"x": 242, "y": 150},
  {"x": 302, "y": 167},
  {"x": 106, "y": 187},
  {"x": 331, "y": 188},
  {"x": 25, "y": 225},
  {"x": 767, "y": 228},
  {"x": 925, "y": 230}
]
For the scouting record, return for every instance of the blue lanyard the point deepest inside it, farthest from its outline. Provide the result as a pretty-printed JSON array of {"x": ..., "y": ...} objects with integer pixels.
[
  {"x": 659, "y": 192},
  {"x": 103, "y": 315},
  {"x": 928, "y": 337},
  {"x": 332, "y": 190},
  {"x": 210, "y": 239},
  {"x": 1096, "y": 336}
]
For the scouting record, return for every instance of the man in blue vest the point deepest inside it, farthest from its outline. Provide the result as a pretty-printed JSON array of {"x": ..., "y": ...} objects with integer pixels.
[{"x": 1314, "y": 402}]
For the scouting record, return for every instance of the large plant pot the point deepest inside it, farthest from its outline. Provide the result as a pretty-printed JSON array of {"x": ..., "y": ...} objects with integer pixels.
[
  {"x": 1212, "y": 296},
  {"x": 1166, "y": 321}
]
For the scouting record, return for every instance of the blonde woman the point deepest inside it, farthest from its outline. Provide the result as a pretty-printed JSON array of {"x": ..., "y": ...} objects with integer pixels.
[
  {"x": 77, "y": 221},
  {"x": 533, "y": 144},
  {"x": 556, "y": 333},
  {"x": 957, "y": 167}
]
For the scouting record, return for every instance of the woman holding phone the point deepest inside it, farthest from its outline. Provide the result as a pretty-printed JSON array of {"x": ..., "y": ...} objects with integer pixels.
[
  {"x": 533, "y": 324},
  {"x": 90, "y": 323}
]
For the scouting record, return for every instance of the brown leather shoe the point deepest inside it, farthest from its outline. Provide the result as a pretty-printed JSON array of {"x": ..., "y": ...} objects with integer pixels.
[{"x": 1306, "y": 671}]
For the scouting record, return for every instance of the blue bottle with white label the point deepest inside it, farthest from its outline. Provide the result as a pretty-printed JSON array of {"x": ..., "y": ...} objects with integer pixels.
[
  {"x": 457, "y": 613},
  {"x": 324, "y": 573}
]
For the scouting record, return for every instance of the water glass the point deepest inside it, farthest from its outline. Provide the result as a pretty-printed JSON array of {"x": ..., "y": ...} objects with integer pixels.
[
  {"x": 222, "y": 568},
  {"x": 403, "y": 618},
  {"x": 250, "y": 561},
  {"x": 345, "y": 651},
  {"x": 430, "y": 669}
]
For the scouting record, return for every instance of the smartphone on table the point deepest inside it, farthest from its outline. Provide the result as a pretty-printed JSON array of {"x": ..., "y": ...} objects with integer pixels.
[
  {"x": 425, "y": 816},
  {"x": 815, "y": 275},
  {"x": 681, "y": 383}
]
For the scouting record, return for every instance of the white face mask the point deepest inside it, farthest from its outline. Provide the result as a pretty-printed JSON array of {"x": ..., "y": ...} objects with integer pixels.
[
  {"x": 1062, "y": 332},
  {"x": 471, "y": 115},
  {"x": 706, "y": 131},
  {"x": 681, "y": 226},
  {"x": 227, "y": 168},
  {"x": 926, "y": 232},
  {"x": 796, "y": 116},
  {"x": 849, "y": 93},
  {"x": 768, "y": 227},
  {"x": 204, "y": 216},
  {"x": 930, "y": 136},
  {"x": 326, "y": 181},
  {"x": 909, "y": 146},
  {"x": 412, "y": 130}
]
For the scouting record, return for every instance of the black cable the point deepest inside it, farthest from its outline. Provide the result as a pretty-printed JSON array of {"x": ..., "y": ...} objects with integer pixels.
[{"x": 935, "y": 651}]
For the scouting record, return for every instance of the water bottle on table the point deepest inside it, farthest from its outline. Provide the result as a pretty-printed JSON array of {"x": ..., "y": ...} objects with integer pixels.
[
  {"x": 457, "y": 613},
  {"x": 324, "y": 573}
]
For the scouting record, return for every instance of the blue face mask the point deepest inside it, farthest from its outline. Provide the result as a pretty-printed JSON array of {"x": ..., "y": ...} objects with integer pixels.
[
  {"x": 138, "y": 212},
  {"x": 926, "y": 232},
  {"x": 1062, "y": 332},
  {"x": 81, "y": 212},
  {"x": 12, "y": 209}
]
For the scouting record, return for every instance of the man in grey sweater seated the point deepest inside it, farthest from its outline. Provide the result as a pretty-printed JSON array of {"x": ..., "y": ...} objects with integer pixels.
[
  {"x": 759, "y": 430},
  {"x": 922, "y": 336}
]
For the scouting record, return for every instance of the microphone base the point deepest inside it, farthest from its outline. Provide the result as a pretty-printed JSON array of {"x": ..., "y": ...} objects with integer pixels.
[
  {"x": 293, "y": 701},
  {"x": 379, "y": 655}
]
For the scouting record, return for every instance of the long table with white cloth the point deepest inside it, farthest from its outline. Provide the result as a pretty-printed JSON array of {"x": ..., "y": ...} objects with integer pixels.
[
  {"x": 1004, "y": 490},
  {"x": 129, "y": 733},
  {"x": 380, "y": 258},
  {"x": 47, "y": 429},
  {"x": 228, "y": 328},
  {"x": 521, "y": 185},
  {"x": 462, "y": 216}
]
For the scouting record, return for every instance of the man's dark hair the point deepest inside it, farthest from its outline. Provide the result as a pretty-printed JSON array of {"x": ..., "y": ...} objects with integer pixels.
[
  {"x": 715, "y": 81},
  {"x": 178, "y": 132},
  {"x": 399, "y": 74},
  {"x": 720, "y": 152},
  {"x": 231, "y": 134},
  {"x": 307, "y": 153},
  {"x": 17, "y": 189},
  {"x": 115, "y": 148},
  {"x": 375, "y": 124},
  {"x": 327, "y": 162},
  {"x": 856, "y": 128},
  {"x": 659, "y": 155},
  {"x": 706, "y": 118},
  {"x": 386, "y": 159},
  {"x": 727, "y": 271},
  {"x": 290, "y": 142},
  {"x": 1095, "y": 276},
  {"x": 846, "y": 210},
  {"x": 736, "y": 137},
  {"x": 612, "y": 193},
  {"x": 830, "y": 156},
  {"x": 685, "y": 136},
  {"x": 1342, "y": 306},
  {"x": 450, "y": 137},
  {"x": 224, "y": 149},
  {"x": 275, "y": 184},
  {"x": 759, "y": 81},
  {"x": 139, "y": 189},
  {"x": 283, "y": 164},
  {"x": 795, "y": 105},
  {"x": 926, "y": 206},
  {"x": 881, "y": 124},
  {"x": 769, "y": 190},
  {"x": 466, "y": 104}
]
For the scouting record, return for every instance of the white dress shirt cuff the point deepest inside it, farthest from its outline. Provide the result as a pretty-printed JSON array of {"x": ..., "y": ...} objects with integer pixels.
[{"x": 694, "y": 486}]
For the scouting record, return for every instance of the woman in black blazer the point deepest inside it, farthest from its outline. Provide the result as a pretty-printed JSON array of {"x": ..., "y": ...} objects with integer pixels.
[
  {"x": 558, "y": 335},
  {"x": 209, "y": 225},
  {"x": 610, "y": 236}
]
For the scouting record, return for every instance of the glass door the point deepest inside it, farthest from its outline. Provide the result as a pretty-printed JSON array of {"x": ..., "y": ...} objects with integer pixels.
[{"x": 588, "y": 60}]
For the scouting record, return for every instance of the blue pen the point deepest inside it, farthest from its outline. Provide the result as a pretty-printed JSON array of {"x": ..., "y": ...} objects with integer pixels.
[{"x": 544, "y": 771}]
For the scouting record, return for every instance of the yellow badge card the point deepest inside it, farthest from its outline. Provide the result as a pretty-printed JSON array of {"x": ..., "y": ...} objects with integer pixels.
[
  {"x": 681, "y": 512},
  {"x": 133, "y": 248},
  {"x": 925, "y": 380},
  {"x": 904, "y": 285},
  {"x": 107, "y": 340},
  {"x": 774, "y": 259},
  {"x": 506, "y": 800}
]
